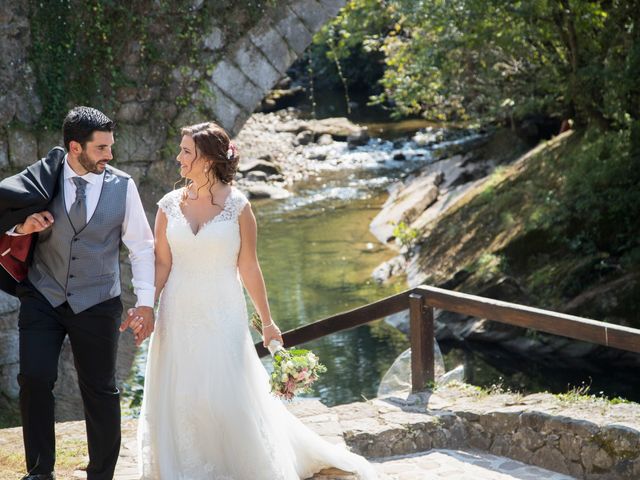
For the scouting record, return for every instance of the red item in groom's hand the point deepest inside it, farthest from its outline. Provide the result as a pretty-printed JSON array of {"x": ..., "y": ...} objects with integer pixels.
[{"x": 14, "y": 250}]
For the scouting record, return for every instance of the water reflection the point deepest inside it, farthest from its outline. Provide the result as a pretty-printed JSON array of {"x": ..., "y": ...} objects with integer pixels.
[{"x": 317, "y": 261}]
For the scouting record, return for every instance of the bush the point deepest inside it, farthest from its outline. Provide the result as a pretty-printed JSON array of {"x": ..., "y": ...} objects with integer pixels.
[{"x": 600, "y": 210}]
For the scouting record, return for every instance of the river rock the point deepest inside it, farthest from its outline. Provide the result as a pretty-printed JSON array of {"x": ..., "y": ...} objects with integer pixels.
[
  {"x": 291, "y": 125},
  {"x": 428, "y": 137},
  {"x": 405, "y": 204},
  {"x": 304, "y": 138},
  {"x": 267, "y": 157},
  {"x": 319, "y": 156},
  {"x": 265, "y": 191},
  {"x": 325, "y": 139},
  {"x": 447, "y": 171},
  {"x": 264, "y": 166},
  {"x": 257, "y": 176},
  {"x": 339, "y": 128},
  {"x": 388, "y": 269},
  {"x": 279, "y": 98},
  {"x": 358, "y": 139}
]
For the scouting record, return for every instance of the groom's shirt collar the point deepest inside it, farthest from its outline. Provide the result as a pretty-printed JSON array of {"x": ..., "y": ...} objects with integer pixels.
[{"x": 68, "y": 173}]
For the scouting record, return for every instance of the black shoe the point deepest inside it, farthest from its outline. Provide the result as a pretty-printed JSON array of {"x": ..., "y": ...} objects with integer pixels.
[{"x": 41, "y": 476}]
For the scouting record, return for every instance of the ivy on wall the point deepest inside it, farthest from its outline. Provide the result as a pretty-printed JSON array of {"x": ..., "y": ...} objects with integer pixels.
[{"x": 84, "y": 52}]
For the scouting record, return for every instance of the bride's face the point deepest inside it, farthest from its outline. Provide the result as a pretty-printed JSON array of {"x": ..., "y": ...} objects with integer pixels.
[{"x": 191, "y": 164}]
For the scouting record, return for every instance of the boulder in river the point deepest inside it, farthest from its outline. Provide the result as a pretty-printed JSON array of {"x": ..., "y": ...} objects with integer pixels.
[
  {"x": 406, "y": 204},
  {"x": 325, "y": 139},
  {"x": 305, "y": 137},
  {"x": 388, "y": 269},
  {"x": 263, "y": 190},
  {"x": 257, "y": 176},
  {"x": 358, "y": 139},
  {"x": 265, "y": 166}
]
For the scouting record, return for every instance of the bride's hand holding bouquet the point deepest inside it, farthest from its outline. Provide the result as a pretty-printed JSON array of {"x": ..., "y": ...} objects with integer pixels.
[
  {"x": 294, "y": 371},
  {"x": 270, "y": 333}
]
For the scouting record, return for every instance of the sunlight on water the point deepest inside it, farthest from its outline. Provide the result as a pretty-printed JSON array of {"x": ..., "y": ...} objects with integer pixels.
[{"x": 317, "y": 260}]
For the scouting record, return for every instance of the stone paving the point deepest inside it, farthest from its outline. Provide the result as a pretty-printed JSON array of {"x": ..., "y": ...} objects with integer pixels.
[
  {"x": 459, "y": 465},
  {"x": 434, "y": 464}
]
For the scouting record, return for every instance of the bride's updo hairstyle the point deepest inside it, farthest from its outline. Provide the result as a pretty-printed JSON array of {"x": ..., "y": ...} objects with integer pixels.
[{"x": 214, "y": 145}]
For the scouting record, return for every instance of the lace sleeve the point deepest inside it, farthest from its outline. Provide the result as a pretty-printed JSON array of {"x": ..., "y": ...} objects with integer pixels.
[
  {"x": 239, "y": 202},
  {"x": 170, "y": 203}
]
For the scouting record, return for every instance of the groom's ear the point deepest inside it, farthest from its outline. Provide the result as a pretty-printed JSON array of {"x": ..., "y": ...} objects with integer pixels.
[{"x": 75, "y": 147}]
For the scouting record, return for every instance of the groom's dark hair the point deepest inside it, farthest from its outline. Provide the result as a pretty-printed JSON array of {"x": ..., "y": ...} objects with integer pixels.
[{"x": 81, "y": 122}]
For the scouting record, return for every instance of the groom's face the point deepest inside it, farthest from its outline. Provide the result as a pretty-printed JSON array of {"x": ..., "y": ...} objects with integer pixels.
[{"x": 97, "y": 152}]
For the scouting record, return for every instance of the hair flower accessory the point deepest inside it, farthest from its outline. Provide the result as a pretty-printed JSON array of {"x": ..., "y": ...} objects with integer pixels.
[{"x": 232, "y": 151}]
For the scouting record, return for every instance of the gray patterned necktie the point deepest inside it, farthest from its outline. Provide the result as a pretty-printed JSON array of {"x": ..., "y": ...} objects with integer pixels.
[{"x": 78, "y": 211}]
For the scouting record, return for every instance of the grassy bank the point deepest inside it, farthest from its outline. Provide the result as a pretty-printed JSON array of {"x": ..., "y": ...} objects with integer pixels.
[{"x": 562, "y": 221}]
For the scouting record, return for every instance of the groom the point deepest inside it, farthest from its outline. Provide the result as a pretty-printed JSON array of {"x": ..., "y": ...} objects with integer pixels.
[{"x": 73, "y": 288}]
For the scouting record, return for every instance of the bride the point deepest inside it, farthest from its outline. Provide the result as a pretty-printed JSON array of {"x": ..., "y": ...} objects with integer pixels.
[{"x": 207, "y": 412}]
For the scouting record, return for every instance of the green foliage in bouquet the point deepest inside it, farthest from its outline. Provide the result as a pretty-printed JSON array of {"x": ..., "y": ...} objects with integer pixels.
[
  {"x": 256, "y": 322},
  {"x": 294, "y": 371}
]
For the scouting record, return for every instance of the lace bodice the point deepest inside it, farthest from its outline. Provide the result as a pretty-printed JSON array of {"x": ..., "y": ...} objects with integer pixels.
[
  {"x": 215, "y": 245},
  {"x": 233, "y": 205}
]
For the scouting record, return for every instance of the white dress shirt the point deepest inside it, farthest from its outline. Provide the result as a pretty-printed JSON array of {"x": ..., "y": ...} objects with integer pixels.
[{"x": 136, "y": 233}]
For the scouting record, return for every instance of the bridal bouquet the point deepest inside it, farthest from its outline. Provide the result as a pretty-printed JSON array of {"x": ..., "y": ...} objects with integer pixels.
[{"x": 294, "y": 371}]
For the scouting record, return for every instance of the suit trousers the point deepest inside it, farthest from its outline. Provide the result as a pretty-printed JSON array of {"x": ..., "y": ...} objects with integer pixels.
[{"x": 93, "y": 335}]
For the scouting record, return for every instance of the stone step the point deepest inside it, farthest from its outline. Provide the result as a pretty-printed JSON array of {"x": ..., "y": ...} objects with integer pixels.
[{"x": 378, "y": 429}]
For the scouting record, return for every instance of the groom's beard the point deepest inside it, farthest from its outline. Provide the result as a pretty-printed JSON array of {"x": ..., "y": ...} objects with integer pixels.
[{"x": 88, "y": 164}]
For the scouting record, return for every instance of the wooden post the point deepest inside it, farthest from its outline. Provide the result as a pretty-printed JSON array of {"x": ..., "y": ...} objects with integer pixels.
[{"x": 422, "y": 338}]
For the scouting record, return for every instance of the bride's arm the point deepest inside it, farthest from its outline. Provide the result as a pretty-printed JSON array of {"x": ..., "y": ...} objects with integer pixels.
[
  {"x": 251, "y": 274},
  {"x": 162, "y": 251}
]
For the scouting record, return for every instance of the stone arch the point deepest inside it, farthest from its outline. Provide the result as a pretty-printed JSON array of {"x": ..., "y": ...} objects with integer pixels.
[{"x": 254, "y": 64}]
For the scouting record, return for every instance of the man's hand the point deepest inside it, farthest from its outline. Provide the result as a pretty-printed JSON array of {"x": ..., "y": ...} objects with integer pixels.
[
  {"x": 36, "y": 222},
  {"x": 140, "y": 321}
]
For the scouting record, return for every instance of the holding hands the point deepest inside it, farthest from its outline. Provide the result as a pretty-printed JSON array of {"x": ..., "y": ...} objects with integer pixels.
[{"x": 140, "y": 321}]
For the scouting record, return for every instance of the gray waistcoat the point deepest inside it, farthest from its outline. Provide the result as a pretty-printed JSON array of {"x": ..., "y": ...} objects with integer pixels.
[{"x": 83, "y": 267}]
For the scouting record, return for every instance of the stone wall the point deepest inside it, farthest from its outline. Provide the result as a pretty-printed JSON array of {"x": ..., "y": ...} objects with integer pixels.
[
  {"x": 236, "y": 72},
  {"x": 18, "y": 101},
  {"x": 585, "y": 437}
]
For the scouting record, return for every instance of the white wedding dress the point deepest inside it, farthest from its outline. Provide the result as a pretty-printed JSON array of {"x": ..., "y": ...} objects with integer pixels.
[{"x": 207, "y": 411}]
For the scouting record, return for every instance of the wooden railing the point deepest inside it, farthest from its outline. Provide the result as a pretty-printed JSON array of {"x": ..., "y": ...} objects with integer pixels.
[{"x": 421, "y": 302}]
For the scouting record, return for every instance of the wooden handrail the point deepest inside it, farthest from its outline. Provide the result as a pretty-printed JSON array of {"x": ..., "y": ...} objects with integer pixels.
[
  {"x": 422, "y": 300},
  {"x": 343, "y": 321},
  {"x": 578, "y": 328}
]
